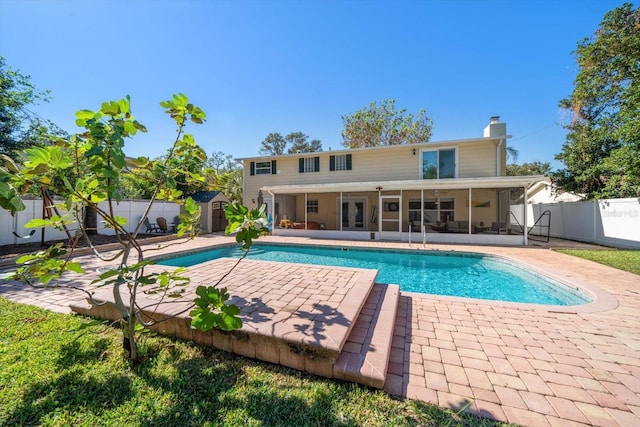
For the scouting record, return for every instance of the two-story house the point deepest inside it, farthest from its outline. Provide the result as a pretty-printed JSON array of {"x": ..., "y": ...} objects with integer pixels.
[{"x": 449, "y": 191}]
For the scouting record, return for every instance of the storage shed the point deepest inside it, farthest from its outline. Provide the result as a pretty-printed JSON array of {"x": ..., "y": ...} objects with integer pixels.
[{"x": 212, "y": 204}]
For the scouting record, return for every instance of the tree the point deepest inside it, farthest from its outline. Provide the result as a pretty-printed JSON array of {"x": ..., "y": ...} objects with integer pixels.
[
  {"x": 137, "y": 183},
  {"x": 602, "y": 151},
  {"x": 189, "y": 165},
  {"x": 378, "y": 125},
  {"x": 230, "y": 183},
  {"x": 220, "y": 162},
  {"x": 273, "y": 145},
  {"x": 299, "y": 143},
  {"x": 86, "y": 170},
  {"x": 225, "y": 175},
  {"x": 533, "y": 168},
  {"x": 19, "y": 127}
]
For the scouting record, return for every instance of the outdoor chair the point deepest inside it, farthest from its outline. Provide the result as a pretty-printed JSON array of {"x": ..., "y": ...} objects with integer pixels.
[
  {"x": 175, "y": 223},
  {"x": 151, "y": 227},
  {"x": 162, "y": 224}
]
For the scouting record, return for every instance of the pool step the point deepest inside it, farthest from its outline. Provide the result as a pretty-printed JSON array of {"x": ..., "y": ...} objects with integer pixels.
[
  {"x": 365, "y": 356},
  {"x": 299, "y": 316},
  {"x": 328, "y": 321}
]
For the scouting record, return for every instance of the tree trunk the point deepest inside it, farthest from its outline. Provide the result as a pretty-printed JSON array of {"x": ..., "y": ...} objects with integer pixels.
[
  {"x": 129, "y": 341},
  {"x": 91, "y": 220}
]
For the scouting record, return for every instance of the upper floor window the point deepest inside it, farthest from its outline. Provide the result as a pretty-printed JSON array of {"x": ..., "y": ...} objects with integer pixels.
[
  {"x": 309, "y": 164},
  {"x": 340, "y": 162},
  {"x": 438, "y": 164},
  {"x": 262, "y": 168}
]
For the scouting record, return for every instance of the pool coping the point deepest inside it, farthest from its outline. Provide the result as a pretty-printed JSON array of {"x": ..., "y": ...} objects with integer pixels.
[{"x": 601, "y": 300}]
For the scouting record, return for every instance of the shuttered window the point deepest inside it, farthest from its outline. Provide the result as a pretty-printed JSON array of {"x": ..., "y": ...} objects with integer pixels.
[
  {"x": 309, "y": 164},
  {"x": 340, "y": 162},
  {"x": 263, "y": 168}
]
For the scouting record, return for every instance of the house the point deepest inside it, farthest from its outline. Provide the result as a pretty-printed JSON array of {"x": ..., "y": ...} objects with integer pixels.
[
  {"x": 448, "y": 191},
  {"x": 545, "y": 192},
  {"x": 212, "y": 205}
]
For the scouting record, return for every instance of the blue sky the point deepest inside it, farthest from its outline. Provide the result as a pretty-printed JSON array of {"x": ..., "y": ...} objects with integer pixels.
[{"x": 257, "y": 67}]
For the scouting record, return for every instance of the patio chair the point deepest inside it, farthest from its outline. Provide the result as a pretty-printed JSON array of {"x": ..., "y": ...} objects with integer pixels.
[
  {"x": 151, "y": 227},
  {"x": 175, "y": 223},
  {"x": 162, "y": 224}
]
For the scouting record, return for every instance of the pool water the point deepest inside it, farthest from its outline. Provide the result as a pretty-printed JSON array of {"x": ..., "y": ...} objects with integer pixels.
[{"x": 431, "y": 272}]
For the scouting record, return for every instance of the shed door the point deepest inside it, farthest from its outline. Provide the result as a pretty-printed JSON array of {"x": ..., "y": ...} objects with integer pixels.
[{"x": 218, "y": 220}]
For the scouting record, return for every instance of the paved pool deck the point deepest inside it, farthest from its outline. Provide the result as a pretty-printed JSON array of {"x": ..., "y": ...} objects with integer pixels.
[{"x": 526, "y": 364}]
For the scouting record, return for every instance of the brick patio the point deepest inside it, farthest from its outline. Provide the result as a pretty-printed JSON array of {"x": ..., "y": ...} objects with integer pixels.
[{"x": 525, "y": 364}]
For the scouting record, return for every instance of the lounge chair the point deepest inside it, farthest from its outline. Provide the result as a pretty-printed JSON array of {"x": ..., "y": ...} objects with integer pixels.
[
  {"x": 151, "y": 227},
  {"x": 162, "y": 224}
]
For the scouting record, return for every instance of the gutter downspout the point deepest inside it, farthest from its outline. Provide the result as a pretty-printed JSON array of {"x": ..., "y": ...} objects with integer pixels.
[{"x": 502, "y": 141}]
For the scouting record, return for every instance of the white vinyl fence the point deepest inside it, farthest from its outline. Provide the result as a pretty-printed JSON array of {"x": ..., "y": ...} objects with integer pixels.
[
  {"x": 610, "y": 222},
  {"x": 130, "y": 209}
]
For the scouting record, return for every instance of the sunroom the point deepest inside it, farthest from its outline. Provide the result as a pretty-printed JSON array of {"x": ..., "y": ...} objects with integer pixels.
[{"x": 455, "y": 210}]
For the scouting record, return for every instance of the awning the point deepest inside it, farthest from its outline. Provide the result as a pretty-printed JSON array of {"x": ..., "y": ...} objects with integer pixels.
[{"x": 420, "y": 184}]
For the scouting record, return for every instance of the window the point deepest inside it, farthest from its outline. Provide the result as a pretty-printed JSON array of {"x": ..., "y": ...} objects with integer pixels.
[
  {"x": 309, "y": 164},
  {"x": 446, "y": 209},
  {"x": 438, "y": 164},
  {"x": 340, "y": 162},
  {"x": 435, "y": 210},
  {"x": 312, "y": 206},
  {"x": 263, "y": 168}
]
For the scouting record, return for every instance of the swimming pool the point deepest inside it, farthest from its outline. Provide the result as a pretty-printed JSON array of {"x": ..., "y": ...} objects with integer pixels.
[{"x": 468, "y": 275}]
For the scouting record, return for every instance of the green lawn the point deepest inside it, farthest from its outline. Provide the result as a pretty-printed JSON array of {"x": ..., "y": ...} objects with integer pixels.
[
  {"x": 52, "y": 373},
  {"x": 627, "y": 260}
]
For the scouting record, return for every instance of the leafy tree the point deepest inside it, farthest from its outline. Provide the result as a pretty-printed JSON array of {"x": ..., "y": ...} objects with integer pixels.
[
  {"x": 533, "y": 168},
  {"x": 137, "y": 183},
  {"x": 230, "y": 183},
  {"x": 225, "y": 175},
  {"x": 602, "y": 150},
  {"x": 299, "y": 143},
  {"x": 273, "y": 145},
  {"x": 189, "y": 165},
  {"x": 221, "y": 162},
  {"x": 87, "y": 169},
  {"x": 378, "y": 125},
  {"x": 19, "y": 127}
]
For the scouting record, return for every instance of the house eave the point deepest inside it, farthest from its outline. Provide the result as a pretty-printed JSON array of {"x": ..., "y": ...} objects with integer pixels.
[
  {"x": 385, "y": 147},
  {"x": 421, "y": 184}
]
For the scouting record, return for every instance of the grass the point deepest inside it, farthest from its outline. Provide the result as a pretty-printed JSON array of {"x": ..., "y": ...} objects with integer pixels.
[
  {"x": 627, "y": 260},
  {"x": 54, "y": 373}
]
